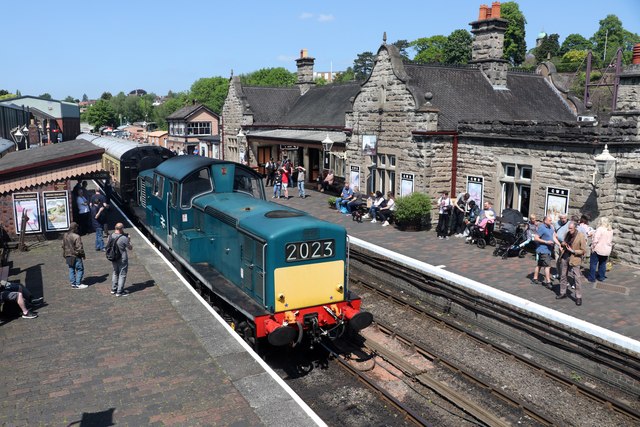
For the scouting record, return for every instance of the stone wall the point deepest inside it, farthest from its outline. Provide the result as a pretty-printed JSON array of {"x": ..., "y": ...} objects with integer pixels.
[
  {"x": 232, "y": 113},
  {"x": 626, "y": 218},
  {"x": 387, "y": 109}
]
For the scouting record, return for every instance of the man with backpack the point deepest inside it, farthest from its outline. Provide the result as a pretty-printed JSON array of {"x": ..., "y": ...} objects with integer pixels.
[{"x": 116, "y": 252}]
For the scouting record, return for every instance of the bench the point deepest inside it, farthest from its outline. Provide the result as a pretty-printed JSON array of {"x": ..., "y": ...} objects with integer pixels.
[{"x": 336, "y": 187}]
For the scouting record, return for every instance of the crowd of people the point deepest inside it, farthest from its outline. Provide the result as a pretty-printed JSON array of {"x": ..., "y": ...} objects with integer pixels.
[
  {"x": 282, "y": 176},
  {"x": 562, "y": 245}
]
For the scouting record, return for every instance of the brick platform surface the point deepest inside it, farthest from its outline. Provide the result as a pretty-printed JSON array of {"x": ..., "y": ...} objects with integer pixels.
[
  {"x": 612, "y": 304},
  {"x": 156, "y": 357}
]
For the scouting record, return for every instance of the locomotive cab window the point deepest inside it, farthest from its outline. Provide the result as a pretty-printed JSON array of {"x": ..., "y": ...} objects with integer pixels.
[
  {"x": 196, "y": 184},
  {"x": 158, "y": 186},
  {"x": 245, "y": 182}
]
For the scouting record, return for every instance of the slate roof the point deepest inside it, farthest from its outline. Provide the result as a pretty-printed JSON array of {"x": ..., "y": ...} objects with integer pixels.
[
  {"x": 186, "y": 111},
  {"x": 269, "y": 104},
  {"x": 323, "y": 106},
  {"x": 38, "y": 158},
  {"x": 464, "y": 94}
]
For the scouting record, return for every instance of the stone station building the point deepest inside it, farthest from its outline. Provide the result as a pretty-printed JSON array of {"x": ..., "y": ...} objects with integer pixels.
[{"x": 508, "y": 137}]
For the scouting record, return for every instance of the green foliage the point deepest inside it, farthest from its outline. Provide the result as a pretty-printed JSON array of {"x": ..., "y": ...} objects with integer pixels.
[
  {"x": 548, "y": 48},
  {"x": 172, "y": 104},
  {"x": 211, "y": 92},
  {"x": 457, "y": 47},
  {"x": 429, "y": 49},
  {"x": 363, "y": 65},
  {"x": 515, "y": 47},
  {"x": 413, "y": 210},
  {"x": 100, "y": 114},
  {"x": 347, "y": 76},
  {"x": 402, "y": 46},
  {"x": 106, "y": 95},
  {"x": 85, "y": 98},
  {"x": 332, "y": 201},
  {"x": 69, "y": 99},
  {"x": 3, "y": 92},
  {"x": 320, "y": 81},
  {"x": 7, "y": 95},
  {"x": 575, "y": 42},
  {"x": 269, "y": 77},
  {"x": 45, "y": 95},
  {"x": 574, "y": 56}
]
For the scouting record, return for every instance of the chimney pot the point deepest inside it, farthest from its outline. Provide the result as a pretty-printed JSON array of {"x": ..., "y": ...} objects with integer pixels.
[
  {"x": 483, "y": 12},
  {"x": 636, "y": 54},
  {"x": 495, "y": 10}
]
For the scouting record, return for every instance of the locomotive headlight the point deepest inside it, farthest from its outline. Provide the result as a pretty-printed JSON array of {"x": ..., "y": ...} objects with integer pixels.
[
  {"x": 281, "y": 297},
  {"x": 340, "y": 288}
]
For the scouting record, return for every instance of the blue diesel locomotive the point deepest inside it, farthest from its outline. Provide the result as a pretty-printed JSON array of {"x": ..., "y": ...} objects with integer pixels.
[{"x": 283, "y": 271}]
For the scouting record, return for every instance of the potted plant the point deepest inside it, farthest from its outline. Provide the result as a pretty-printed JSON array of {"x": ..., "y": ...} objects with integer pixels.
[
  {"x": 413, "y": 211},
  {"x": 332, "y": 202}
]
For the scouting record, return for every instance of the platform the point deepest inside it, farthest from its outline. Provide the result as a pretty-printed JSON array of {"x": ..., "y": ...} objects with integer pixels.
[
  {"x": 612, "y": 304},
  {"x": 159, "y": 356}
]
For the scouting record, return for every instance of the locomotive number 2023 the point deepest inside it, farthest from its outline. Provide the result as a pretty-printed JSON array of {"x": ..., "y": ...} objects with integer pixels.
[{"x": 302, "y": 251}]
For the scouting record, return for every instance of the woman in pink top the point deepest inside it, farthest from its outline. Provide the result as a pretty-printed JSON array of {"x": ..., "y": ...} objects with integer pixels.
[{"x": 601, "y": 245}]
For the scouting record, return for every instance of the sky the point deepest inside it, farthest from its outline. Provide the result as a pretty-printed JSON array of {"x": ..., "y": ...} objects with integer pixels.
[{"x": 77, "y": 47}]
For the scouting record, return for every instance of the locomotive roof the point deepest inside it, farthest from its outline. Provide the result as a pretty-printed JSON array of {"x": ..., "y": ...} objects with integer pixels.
[
  {"x": 178, "y": 168},
  {"x": 251, "y": 214}
]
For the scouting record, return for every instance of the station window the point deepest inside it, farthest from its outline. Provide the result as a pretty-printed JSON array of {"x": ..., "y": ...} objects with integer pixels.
[{"x": 516, "y": 188}]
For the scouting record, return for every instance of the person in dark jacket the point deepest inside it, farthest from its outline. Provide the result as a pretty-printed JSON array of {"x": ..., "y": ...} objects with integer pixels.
[
  {"x": 98, "y": 220},
  {"x": 73, "y": 252}
]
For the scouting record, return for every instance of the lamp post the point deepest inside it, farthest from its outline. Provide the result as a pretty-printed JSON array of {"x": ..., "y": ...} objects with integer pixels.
[
  {"x": 18, "y": 134},
  {"x": 327, "y": 144},
  {"x": 241, "y": 147}
]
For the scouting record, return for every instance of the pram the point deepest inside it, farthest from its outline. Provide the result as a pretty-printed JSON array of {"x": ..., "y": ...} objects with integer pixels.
[
  {"x": 510, "y": 232},
  {"x": 482, "y": 236}
]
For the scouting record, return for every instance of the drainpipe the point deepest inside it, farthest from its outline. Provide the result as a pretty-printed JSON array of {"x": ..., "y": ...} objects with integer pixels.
[{"x": 454, "y": 153}]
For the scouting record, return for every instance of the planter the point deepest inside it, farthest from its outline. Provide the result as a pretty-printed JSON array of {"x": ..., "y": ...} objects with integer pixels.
[{"x": 413, "y": 212}]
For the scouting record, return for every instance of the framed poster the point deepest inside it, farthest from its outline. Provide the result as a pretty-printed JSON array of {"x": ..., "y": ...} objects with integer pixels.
[
  {"x": 56, "y": 208},
  {"x": 406, "y": 184},
  {"x": 354, "y": 178},
  {"x": 557, "y": 202},
  {"x": 27, "y": 204},
  {"x": 475, "y": 188},
  {"x": 369, "y": 143}
]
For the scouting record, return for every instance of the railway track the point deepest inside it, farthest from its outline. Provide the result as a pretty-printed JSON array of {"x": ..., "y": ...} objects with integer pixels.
[{"x": 606, "y": 402}]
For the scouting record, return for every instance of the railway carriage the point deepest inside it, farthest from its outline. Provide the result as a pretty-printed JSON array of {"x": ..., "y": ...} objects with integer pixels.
[
  {"x": 282, "y": 271},
  {"x": 124, "y": 159}
]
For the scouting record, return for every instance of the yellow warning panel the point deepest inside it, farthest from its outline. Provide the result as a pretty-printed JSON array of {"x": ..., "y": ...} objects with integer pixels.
[{"x": 309, "y": 285}]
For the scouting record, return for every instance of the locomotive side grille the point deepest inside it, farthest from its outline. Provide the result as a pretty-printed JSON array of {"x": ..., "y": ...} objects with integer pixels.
[
  {"x": 227, "y": 219},
  {"x": 143, "y": 193},
  {"x": 310, "y": 233}
]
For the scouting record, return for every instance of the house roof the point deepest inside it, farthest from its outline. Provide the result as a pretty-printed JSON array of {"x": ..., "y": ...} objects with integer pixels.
[
  {"x": 300, "y": 135},
  {"x": 464, "y": 94},
  {"x": 323, "y": 105},
  {"x": 49, "y": 107},
  {"x": 269, "y": 105},
  {"x": 187, "y": 111},
  {"x": 54, "y": 162},
  {"x": 158, "y": 133}
]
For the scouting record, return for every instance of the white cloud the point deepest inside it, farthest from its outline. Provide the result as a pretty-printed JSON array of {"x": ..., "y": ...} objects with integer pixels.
[
  {"x": 325, "y": 18},
  {"x": 306, "y": 15}
]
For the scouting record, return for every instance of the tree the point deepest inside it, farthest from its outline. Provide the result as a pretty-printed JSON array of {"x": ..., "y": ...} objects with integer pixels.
[
  {"x": 45, "y": 95},
  {"x": 548, "y": 48},
  {"x": 18, "y": 94},
  {"x": 269, "y": 77},
  {"x": 212, "y": 91},
  {"x": 402, "y": 46},
  {"x": 85, "y": 98},
  {"x": 346, "y": 76},
  {"x": 429, "y": 49},
  {"x": 515, "y": 47},
  {"x": 320, "y": 81},
  {"x": 457, "y": 48},
  {"x": 106, "y": 95},
  {"x": 100, "y": 114},
  {"x": 172, "y": 104},
  {"x": 69, "y": 99},
  {"x": 574, "y": 56},
  {"x": 3, "y": 92},
  {"x": 575, "y": 42},
  {"x": 363, "y": 65}
]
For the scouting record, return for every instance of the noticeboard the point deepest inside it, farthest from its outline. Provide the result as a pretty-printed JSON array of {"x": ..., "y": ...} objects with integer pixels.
[
  {"x": 27, "y": 204},
  {"x": 56, "y": 208}
]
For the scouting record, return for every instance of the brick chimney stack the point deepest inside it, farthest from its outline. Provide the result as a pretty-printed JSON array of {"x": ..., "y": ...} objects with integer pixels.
[
  {"x": 305, "y": 72},
  {"x": 488, "y": 45}
]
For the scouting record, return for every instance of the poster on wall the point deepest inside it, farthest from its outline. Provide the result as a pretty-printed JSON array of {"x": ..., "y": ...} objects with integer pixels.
[
  {"x": 557, "y": 202},
  {"x": 475, "y": 188},
  {"x": 354, "y": 178},
  {"x": 406, "y": 184},
  {"x": 27, "y": 204},
  {"x": 56, "y": 207},
  {"x": 369, "y": 145}
]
